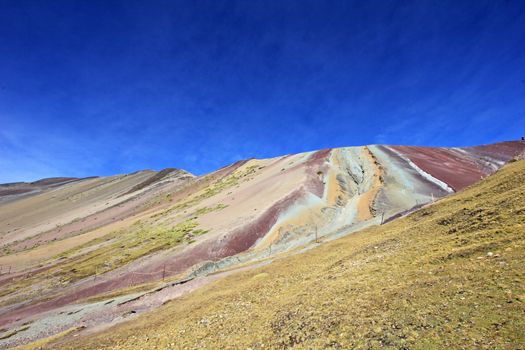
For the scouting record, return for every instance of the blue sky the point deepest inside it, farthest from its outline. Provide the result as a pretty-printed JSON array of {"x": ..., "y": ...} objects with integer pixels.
[{"x": 105, "y": 87}]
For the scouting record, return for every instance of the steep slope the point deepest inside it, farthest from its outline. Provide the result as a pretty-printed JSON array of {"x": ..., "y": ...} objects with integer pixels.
[
  {"x": 447, "y": 276},
  {"x": 87, "y": 242}
]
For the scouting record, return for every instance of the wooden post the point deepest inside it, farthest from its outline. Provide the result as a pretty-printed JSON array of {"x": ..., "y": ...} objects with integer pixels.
[
  {"x": 9, "y": 270},
  {"x": 316, "y": 235},
  {"x": 382, "y": 218},
  {"x": 163, "y": 272}
]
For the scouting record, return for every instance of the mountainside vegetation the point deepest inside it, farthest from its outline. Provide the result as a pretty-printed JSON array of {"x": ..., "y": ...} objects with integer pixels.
[{"x": 450, "y": 275}]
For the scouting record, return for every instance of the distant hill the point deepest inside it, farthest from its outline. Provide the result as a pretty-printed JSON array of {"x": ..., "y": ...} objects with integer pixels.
[{"x": 18, "y": 188}]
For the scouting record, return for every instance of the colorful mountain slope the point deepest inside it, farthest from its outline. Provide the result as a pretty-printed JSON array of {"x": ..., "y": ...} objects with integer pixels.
[
  {"x": 116, "y": 236},
  {"x": 447, "y": 276}
]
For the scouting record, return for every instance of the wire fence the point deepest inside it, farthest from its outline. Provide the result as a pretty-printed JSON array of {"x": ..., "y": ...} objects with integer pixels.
[
  {"x": 124, "y": 277},
  {"x": 129, "y": 277},
  {"x": 6, "y": 270}
]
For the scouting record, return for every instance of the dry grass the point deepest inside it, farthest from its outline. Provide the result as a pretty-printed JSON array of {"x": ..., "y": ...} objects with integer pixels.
[{"x": 448, "y": 276}]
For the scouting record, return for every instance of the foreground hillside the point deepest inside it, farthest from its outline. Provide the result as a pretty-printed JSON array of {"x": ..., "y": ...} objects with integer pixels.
[{"x": 450, "y": 275}]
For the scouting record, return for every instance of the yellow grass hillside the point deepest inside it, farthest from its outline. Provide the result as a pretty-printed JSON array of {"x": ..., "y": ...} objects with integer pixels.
[{"x": 448, "y": 276}]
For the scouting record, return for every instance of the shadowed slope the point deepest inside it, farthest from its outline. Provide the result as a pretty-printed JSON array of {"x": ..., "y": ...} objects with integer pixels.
[{"x": 449, "y": 275}]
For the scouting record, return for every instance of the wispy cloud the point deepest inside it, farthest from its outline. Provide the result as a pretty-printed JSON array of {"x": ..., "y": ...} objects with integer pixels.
[{"x": 200, "y": 85}]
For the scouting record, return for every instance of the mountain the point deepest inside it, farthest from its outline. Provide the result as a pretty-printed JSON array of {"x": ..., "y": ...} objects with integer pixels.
[
  {"x": 449, "y": 275},
  {"x": 93, "y": 252}
]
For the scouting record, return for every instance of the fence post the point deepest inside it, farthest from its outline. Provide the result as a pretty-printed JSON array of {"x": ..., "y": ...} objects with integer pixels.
[{"x": 163, "y": 272}]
